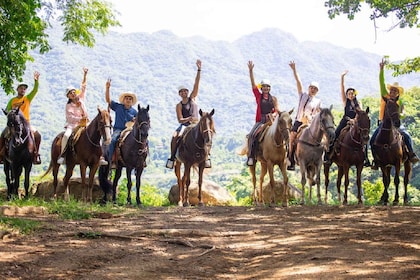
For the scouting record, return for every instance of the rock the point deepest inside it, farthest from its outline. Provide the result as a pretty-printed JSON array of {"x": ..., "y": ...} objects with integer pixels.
[
  {"x": 212, "y": 194},
  {"x": 294, "y": 192}
]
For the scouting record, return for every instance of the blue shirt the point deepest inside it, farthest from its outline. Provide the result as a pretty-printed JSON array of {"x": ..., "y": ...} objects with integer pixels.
[{"x": 122, "y": 115}]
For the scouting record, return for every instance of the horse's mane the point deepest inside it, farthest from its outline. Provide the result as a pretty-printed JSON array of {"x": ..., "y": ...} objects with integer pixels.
[{"x": 272, "y": 128}]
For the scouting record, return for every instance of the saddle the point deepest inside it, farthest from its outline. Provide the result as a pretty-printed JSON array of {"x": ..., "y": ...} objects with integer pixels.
[{"x": 339, "y": 140}]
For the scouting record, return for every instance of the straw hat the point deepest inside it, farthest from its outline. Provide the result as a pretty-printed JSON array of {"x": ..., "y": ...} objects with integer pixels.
[
  {"x": 124, "y": 94},
  {"x": 397, "y": 86}
]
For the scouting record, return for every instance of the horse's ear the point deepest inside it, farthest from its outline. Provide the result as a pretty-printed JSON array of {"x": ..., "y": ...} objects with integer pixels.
[
  {"x": 138, "y": 107},
  {"x": 4, "y": 111},
  {"x": 331, "y": 106},
  {"x": 99, "y": 109},
  {"x": 291, "y": 111},
  {"x": 200, "y": 112},
  {"x": 212, "y": 112},
  {"x": 147, "y": 108},
  {"x": 367, "y": 110}
]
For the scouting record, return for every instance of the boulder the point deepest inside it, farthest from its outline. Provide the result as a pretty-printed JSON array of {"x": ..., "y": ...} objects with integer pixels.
[
  {"x": 212, "y": 194},
  {"x": 294, "y": 192}
]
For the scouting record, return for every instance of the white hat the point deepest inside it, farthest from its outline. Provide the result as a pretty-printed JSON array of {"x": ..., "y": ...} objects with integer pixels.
[
  {"x": 182, "y": 87},
  {"x": 68, "y": 89},
  {"x": 124, "y": 94},
  {"x": 314, "y": 84},
  {"x": 265, "y": 82}
]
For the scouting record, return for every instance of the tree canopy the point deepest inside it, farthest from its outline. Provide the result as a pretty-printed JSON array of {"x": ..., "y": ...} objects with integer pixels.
[
  {"x": 405, "y": 11},
  {"x": 24, "y": 26}
]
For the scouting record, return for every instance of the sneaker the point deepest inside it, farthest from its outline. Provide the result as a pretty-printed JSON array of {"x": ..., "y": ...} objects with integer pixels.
[
  {"x": 60, "y": 160},
  {"x": 291, "y": 167},
  {"x": 102, "y": 161},
  {"x": 37, "y": 159},
  {"x": 207, "y": 164},
  {"x": 250, "y": 161},
  {"x": 170, "y": 163}
]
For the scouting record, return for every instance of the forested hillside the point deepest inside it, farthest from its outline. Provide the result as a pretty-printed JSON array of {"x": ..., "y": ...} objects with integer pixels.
[{"x": 153, "y": 65}]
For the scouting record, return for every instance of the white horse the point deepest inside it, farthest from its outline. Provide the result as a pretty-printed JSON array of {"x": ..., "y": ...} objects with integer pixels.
[{"x": 311, "y": 144}]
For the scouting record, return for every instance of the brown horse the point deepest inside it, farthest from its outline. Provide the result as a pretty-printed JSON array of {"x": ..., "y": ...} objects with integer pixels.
[
  {"x": 19, "y": 153},
  {"x": 388, "y": 151},
  {"x": 85, "y": 151},
  {"x": 132, "y": 152},
  {"x": 310, "y": 148},
  {"x": 193, "y": 150},
  {"x": 349, "y": 150},
  {"x": 271, "y": 151}
]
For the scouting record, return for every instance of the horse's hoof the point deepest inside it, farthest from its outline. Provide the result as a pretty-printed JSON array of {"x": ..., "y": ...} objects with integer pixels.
[
  {"x": 395, "y": 203},
  {"x": 201, "y": 204},
  {"x": 185, "y": 204},
  {"x": 180, "y": 204}
]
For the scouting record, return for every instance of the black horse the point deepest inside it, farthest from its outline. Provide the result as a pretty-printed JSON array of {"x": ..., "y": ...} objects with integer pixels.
[
  {"x": 132, "y": 151},
  {"x": 19, "y": 153}
]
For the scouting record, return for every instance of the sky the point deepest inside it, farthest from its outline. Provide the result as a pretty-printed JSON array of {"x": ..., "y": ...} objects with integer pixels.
[{"x": 228, "y": 20}]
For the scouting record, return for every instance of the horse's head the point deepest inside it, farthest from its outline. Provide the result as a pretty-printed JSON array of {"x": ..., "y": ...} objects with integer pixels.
[
  {"x": 362, "y": 121},
  {"x": 392, "y": 112},
  {"x": 284, "y": 124},
  {"x": 327, "y": 124},
  {"x": 206, "y": 126},
  {"x": 105, "y": 125},
  {"x": 18, "y": 126},
  {"x": 142, "y": 125}
]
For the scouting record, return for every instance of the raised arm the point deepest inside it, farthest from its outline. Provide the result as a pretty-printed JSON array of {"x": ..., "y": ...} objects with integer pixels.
[
  {"x": 343, "y": 90},
  {"x": 194, "y": 92},
  {"x": 382, "y": 86},
  {"x": 34, "y": 91},
  {"x": 251, "y": 74},
  {"x": 107, "y": 96},
  {"x": 292, "y": 65},
  {"x": 83, "y": 86}
]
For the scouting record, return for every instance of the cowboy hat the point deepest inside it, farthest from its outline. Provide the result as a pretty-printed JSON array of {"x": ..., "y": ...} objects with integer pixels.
[
  {"x": 397, "y": 86},
  {"x": 124, "y": 94}
]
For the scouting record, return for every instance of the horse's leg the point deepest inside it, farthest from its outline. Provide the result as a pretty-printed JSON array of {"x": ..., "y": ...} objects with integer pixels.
[
  {"x": 407, "y": 174},
  {"x": 386, "y": 174},
  {"x": 92, "y": 172},
  {"x": 27, "y": 177},
  {"x": 181, "y": 189},
  {"x": 84, "y": 187},
  {"x": 200, "y": 183},
  {"x": 117, "y": 177},
  {"x": 129, "y": 184},
  {"x": 359, "y": 183},
  {"x": 270, "y": 167},
  {"x": 326, "y": 180},
  {"x": 397, "y": 183},
  {"x": 285, "y": 201},
  {"x": 346, "y": 169},
  {"x": 139, "y": 171},
  {"x": 318, "y": 183},
  {"x": 302, "y": 181},
  {"x": 254, "y": 184},
  {"x": 340, "y": 174},
  {"x": 264, "y": 166},
  {"x": 67, "y": 176},
  {"x": 186, "y": 181},
  {"x": 56, "y": 166}
]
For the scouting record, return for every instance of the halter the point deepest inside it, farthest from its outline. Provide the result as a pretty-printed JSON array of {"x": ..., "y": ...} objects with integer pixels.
[
  {"x": 100, "y": 127},
  {"x": 324, "y": 129}
]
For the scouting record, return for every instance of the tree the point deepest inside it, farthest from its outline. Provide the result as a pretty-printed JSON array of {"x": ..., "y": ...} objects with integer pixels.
[
  {"x": 405, "y": 11},
  {"x": 24, "y": 25}
]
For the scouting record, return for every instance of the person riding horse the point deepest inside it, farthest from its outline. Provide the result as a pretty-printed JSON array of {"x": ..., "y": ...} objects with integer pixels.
[
  {"x": 23, "y": 102},
  {"x": 309, "y": 106},
  {"x": 351, "y": 105},
  {"x": 267, "y": 108},
  {"x": 394, "y": 92}
]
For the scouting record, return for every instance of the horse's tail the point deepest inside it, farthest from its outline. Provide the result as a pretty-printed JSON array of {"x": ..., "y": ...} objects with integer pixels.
[
  {"x": 243, "y": 150},
  {"x": 50, "y": 167}
]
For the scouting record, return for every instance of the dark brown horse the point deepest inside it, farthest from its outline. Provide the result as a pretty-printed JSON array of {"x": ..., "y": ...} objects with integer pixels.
[
  {"x": 388, "y": 151},
  {"x": 19, "y": 153},
  {"x": 193, "y": 150},
  {"x": 132, "y": 152},
  {"x": 310, "y": 147},
  {"x": 349, "y": 150},
  {"x": 271, "y": 151},
  {"x": 85, "y": 151}
]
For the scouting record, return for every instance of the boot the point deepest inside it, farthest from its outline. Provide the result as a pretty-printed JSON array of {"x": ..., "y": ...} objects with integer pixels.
[
  {"x": 367, "y": 162},
  {"x": 174, "y": 145},
  {"x": 36, "y": 158},
  {"x": 291, "y": 158}
]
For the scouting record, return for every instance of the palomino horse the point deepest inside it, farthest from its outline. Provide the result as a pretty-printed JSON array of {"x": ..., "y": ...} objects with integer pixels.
[
  {"x": 19, "y": 153},
  {"x": 132, "y": 152},
  {"x": 310, "y": 148},
  {"x": 85, "y": 150},
  {"x": 388, "y": 151},
  {"x": 194, "y": 149},
  {"x": 271, "y": 151},
  {"x": 349, "y": 150}
]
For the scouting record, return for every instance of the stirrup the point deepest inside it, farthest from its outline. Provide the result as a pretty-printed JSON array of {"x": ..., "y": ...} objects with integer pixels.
[{"x": 170, "y": 163}]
